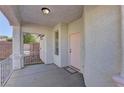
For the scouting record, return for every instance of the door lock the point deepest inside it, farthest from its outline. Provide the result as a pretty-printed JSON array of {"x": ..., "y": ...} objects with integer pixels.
[{"x": 70, "y": 51}]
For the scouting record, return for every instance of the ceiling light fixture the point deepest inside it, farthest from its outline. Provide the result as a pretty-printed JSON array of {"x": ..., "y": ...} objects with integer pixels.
[{"x": 45, "y": 10}]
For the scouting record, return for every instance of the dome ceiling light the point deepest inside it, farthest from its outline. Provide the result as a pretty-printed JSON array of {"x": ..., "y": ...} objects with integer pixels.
[{"x": 45, "y": 10}]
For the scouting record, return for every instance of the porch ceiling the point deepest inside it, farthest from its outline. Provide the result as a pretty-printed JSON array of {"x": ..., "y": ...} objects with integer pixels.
[{"x": 59, "y": 13}]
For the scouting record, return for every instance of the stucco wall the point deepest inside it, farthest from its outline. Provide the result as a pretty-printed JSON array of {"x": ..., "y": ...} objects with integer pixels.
[
  {"x": 62, "y": 59},
  {"x": 47, "y": 31},
  {"x": 102, "y": 44},
  {"x": 56, "y": 58},
  {"x": 64, "y": 45}
]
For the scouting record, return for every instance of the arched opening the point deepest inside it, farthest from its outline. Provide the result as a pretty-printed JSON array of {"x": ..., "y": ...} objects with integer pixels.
[
  {"x": 5, "y": 49},
  {"x": 5, "y": 37}
]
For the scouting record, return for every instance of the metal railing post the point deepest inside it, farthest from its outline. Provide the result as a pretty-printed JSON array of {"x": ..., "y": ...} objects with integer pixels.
[
  {"x": 0, "y": 74},
  {"x": 5, "y": 70}
]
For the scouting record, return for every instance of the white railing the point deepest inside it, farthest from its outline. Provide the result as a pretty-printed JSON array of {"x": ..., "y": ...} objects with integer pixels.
[{"x": 5, "y": 70}]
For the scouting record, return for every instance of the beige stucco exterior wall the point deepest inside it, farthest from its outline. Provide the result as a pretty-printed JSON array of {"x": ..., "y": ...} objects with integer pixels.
[
  {"x": 61, "y": 60},
  {"x": 47, "y": 45},
  {"x": 102, "y": 44}
]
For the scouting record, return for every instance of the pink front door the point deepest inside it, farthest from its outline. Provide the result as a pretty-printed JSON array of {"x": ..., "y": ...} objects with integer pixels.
[{"x": 75, "y": 50}]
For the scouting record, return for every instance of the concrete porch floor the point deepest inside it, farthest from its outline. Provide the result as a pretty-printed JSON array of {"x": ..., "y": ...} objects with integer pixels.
[{"x": 42, "y": 75}]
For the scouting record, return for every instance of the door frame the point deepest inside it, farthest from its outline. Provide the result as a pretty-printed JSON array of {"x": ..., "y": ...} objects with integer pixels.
[{"x": 69, "y": 47}]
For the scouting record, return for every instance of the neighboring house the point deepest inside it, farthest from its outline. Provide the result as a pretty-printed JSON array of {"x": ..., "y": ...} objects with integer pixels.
[{"x": 89, "y": 38}]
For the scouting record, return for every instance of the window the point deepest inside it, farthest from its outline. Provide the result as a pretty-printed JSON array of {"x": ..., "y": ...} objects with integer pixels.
[{"x": 57, "y": 43}]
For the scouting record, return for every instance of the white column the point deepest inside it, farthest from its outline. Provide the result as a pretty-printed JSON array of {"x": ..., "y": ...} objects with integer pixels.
[
  {"x": 17, "y": 48},
  {"x": 119, "y": 79},
  {"x": 122, "y": 39}
]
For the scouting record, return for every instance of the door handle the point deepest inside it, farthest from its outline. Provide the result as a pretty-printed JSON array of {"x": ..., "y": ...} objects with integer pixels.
[{"x": 70, "y": 50}]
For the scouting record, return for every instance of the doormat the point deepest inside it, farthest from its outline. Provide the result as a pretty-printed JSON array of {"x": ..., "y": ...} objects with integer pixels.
[{"x": 70, "y": 70}]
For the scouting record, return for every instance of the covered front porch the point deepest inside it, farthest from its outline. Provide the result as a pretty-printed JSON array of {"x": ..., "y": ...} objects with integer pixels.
[
  {"x": 53, "y": 51},
  {"x": 88, "y": 38},
  {"x": 42, "y": 75}
]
